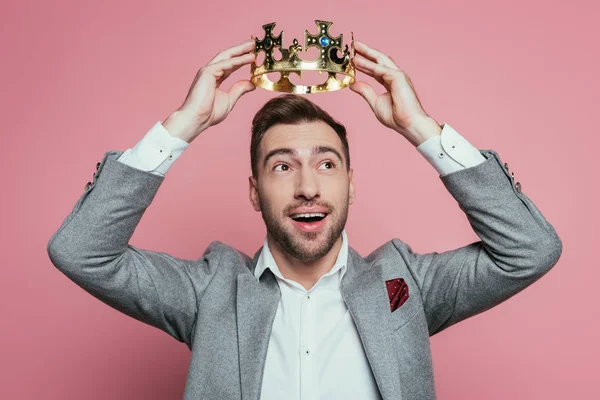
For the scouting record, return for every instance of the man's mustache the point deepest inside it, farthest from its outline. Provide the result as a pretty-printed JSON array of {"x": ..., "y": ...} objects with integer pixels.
[{"x": 288, "y": 210}]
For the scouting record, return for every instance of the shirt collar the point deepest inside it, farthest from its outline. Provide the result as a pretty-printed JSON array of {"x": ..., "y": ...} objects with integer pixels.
[{"x": 266, "y": 260}]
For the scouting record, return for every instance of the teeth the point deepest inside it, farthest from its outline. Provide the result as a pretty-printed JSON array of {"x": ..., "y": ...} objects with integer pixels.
[{"x": 308, "y": 215}]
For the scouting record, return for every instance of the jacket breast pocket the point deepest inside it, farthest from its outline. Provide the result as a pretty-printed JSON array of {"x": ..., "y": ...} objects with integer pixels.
[{"x": 403, "y": 314}]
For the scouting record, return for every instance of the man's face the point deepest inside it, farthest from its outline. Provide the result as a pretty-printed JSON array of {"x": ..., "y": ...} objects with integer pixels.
[{"x": 302, "y": 170}]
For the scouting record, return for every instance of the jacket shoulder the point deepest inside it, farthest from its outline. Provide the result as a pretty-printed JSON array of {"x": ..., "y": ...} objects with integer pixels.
[
  {"x": 390, "y": 250},
  {"x": 218, "y": 252}
]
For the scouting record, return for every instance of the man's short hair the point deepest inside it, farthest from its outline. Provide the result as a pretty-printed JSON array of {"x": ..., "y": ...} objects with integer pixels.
[{"x": 290, "y": 109}]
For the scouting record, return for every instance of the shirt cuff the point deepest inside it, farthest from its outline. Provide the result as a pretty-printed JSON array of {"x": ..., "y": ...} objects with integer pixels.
[
  {"x": 449, "y": 151},
  {"x": 156, "y": 152}
]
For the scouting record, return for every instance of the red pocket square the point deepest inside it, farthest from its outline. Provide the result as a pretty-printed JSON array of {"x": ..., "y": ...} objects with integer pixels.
[{"x": 398, "y": 292}]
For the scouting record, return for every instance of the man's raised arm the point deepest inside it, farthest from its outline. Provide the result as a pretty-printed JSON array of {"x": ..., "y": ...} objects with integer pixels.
[
  {"x": 518, "y": 245},
  {"x": 92, "y": 247}
]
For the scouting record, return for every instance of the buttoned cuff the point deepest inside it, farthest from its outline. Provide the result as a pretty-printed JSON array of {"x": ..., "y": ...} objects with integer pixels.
[
  {"x": 156, "y": 152},
  {"x": 450, "y": 151}
]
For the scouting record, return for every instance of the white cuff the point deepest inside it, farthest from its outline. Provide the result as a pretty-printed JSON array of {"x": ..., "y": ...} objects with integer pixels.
[
  {"x": 450, "y": 151},
  {"x": 156, "y": 152}
]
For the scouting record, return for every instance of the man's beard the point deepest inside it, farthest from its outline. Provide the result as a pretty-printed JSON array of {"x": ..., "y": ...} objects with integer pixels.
[{"x": 299, "y": 244}]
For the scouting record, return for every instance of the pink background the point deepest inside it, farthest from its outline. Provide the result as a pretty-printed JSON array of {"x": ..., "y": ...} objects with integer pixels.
[{"x": 81, "y": 78}]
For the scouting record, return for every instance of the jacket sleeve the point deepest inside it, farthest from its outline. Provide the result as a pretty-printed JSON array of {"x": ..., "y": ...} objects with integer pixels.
[
  {"x": 517, "y": 247},
  {"x": 91, "y": 248}
]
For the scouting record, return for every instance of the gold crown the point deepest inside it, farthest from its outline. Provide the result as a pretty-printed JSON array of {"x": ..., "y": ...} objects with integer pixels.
[{"x": 328, "y": 61}]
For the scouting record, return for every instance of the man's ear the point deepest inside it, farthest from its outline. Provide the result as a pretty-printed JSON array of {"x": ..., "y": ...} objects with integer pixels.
[
  {"x": 350, "y": 186},
  {"x": 253, "y": 193}
]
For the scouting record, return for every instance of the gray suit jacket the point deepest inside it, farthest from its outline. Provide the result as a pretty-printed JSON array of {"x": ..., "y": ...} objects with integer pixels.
[{"x": 224, "y": 314}]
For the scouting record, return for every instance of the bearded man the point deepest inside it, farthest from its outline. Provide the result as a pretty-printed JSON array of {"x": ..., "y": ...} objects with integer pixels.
[{"x": 307, "y": 317}]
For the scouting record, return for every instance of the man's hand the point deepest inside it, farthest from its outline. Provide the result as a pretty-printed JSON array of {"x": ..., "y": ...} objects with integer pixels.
[
  {"x": 206, "y": 104},
  {"x": 399, "y": 108}
]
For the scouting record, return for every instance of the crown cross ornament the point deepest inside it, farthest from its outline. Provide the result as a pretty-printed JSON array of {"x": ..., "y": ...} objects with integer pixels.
[{"x": 291, "y": 62}]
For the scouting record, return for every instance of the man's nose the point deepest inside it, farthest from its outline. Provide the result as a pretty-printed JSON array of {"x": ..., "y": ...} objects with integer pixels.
[{"x": 307, "y": 184}]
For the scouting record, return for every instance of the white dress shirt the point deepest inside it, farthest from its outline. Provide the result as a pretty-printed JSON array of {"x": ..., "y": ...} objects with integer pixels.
[{"x": 314, "y": 350}]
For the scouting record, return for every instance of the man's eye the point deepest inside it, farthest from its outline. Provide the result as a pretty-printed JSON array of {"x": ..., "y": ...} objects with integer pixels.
[
  {"x": 284, "y": 167},
  {"x": 329, "y": 163}
]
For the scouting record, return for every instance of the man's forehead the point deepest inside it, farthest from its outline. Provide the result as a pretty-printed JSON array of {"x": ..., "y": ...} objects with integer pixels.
[{"x": 304, "y": 138}]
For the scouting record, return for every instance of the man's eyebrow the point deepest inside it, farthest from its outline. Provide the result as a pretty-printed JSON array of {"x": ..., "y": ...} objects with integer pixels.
[
  {"x": 313, "y": 152},
  {"x": 279, "y": 151},
  {"x": 326, "y": 149}
]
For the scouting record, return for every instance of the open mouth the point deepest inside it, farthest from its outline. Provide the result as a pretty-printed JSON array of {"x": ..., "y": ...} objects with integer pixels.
[{"x": 309, "y": 222}]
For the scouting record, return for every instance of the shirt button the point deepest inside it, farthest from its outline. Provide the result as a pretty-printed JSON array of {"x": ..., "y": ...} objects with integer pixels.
[
  {"x": 307, "y": 352},
  {"x": 441, "y": 155}
]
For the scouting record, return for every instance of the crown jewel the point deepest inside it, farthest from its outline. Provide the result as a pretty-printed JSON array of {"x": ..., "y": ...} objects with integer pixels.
[{"x": 290, "y": 62}]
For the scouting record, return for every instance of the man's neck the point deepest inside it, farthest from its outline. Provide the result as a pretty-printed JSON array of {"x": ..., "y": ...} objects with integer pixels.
[{"x": 306, "y": 273}]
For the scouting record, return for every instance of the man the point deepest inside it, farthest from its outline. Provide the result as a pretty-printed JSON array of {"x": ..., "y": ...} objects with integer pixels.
[{"x": 307, "y": 317}]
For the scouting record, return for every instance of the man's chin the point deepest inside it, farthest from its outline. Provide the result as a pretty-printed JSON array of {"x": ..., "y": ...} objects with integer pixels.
[
  {"x": 303, "y": 245},
  {"x": 310, "y": 246},
  {"x": 310, "y": 254}
]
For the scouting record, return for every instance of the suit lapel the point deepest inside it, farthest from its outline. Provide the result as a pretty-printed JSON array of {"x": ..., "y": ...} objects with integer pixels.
[
  {"x": 364, "y": 292},
  {"x": 257, "y": 303}
]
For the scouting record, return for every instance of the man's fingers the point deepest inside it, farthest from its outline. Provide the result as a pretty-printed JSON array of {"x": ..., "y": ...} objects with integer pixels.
[
  {"x": 377, "y": 71},
  {"x": 215, "y": 74},
  {"x": 238, "y": 89},
  {"x": 233, "y": 69},
  {"x": 229, "y": 65},
  {"x": 366, "y": 91},
  {"x": 377, "y": 77},
  {"x": 237, "y": 50},
  {"x": 369, "y": 72},
  {"x": 374, "y": 55}
]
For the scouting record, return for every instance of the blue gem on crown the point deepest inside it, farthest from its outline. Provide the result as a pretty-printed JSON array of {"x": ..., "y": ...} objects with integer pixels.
[{"x": 324, "y": 41}]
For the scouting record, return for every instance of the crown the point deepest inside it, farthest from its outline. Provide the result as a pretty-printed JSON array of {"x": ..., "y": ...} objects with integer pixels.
[{"x": 290, "y": 62}]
